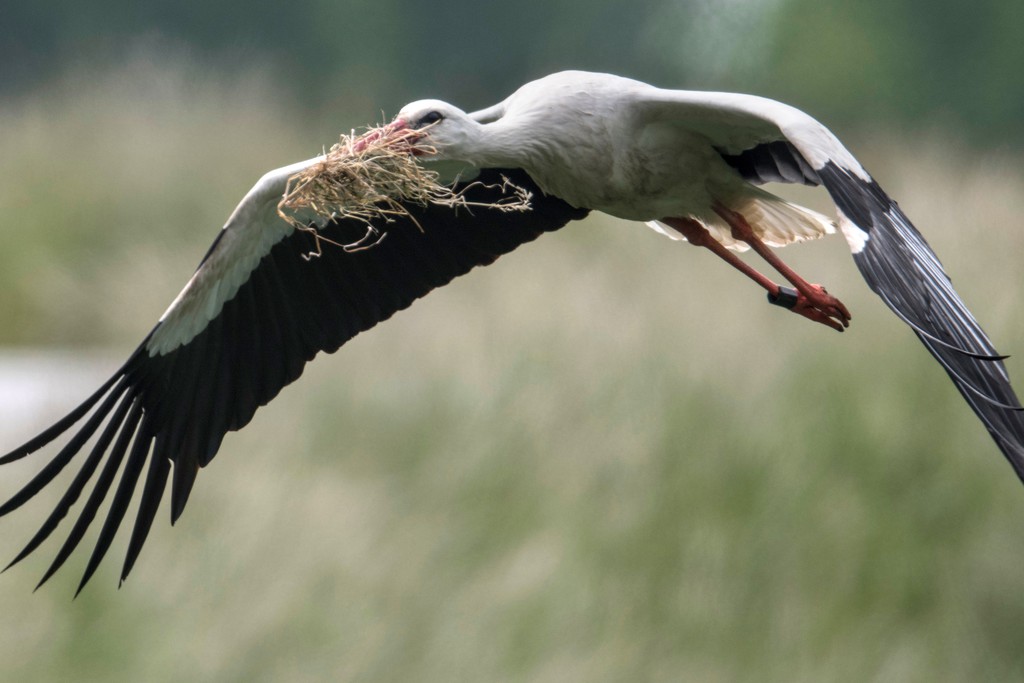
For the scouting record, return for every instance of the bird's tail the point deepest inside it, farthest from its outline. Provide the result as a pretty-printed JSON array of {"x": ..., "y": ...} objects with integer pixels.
[{"x": 776, "y": 221}]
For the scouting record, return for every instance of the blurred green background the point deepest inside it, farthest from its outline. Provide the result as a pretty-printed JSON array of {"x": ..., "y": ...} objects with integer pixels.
[{"x": 603, "y": 458}]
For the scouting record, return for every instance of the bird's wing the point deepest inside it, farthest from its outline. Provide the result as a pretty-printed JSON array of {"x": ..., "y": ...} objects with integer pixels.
[
  {"x": 490, "y": 114},
  {"x": 253, "y": 314},
  {"x": 764, "y": 141}
]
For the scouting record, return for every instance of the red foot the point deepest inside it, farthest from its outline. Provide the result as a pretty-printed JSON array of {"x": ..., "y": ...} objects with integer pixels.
[{"x": 820, "y": 306}]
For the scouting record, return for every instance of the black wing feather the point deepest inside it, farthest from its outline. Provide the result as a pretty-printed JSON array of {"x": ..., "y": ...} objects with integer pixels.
[
  {"x": 54, "y": 467},
  {"x": 777, "y": 161},
  {"x": 176, "y": 408},
  {"x": 92, "y": 504},
  {"x": 902, "y": 269},
  {"x": 78, "y": 484},
  {"x": 152, "y": 492},
  {"x": 122, "y": 496}
]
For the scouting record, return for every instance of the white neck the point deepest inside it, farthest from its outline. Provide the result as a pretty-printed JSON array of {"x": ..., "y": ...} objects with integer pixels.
[{"x": 489, "y": 145}]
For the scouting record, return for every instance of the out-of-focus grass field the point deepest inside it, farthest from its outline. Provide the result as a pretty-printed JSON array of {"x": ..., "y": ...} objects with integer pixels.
[{"x": 604, "y": 458}]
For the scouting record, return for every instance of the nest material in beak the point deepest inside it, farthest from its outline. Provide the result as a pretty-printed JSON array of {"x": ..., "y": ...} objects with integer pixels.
[{"x": 373, "y": 178}]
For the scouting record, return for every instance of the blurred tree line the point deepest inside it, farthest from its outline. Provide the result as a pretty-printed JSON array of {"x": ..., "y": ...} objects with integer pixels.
[{"x": 893, "y": 60}]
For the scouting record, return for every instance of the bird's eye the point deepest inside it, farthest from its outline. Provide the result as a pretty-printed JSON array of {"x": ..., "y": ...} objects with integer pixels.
[{"x": 431, "y": 117}]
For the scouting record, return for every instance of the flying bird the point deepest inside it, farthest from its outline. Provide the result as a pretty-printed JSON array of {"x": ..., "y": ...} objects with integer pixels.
[{"x": 689, "y": 164}]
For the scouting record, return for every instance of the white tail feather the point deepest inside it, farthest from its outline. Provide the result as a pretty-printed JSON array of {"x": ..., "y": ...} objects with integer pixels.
[{"x": 776, "y": 221}]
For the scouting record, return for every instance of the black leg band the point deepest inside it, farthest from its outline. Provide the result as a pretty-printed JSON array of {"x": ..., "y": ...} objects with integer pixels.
[{"x": 787, "y": 297}]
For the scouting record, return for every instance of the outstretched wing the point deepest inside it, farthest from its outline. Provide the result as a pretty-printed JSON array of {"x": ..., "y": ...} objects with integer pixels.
[
  {"x": 767, "y": 141},
  {"x": 254, "y": 313}
]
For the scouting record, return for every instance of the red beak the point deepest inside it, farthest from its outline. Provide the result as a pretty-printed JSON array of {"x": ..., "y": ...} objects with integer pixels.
[{"x": 396, "y": 127}]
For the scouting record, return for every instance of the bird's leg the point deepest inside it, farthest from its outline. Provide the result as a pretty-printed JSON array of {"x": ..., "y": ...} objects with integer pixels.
[
  {"x": 813, "y": 301},
  {"x": 697, "y": 235}
]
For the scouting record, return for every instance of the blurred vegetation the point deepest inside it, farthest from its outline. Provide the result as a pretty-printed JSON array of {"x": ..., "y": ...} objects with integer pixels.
[
  {"x": 909, "y": 61},
  {"x": 603, "y": 458},
  {"x": 912, "y": 62}
]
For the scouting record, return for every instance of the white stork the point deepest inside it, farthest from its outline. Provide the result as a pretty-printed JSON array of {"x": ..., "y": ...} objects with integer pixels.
[{"x": 689, "y": 163}]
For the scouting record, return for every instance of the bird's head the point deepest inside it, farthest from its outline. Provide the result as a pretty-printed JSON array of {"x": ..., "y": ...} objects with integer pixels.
[{"x": 447, "y": 131}]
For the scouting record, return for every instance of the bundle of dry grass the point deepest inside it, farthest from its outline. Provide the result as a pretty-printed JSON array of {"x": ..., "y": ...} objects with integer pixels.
[{"x": 373, "y": 178}]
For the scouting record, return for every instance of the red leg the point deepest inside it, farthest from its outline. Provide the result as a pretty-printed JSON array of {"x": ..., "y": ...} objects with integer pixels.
[
  {"x": 816, "y": 297},
  {"x": 698, "y": 235}
]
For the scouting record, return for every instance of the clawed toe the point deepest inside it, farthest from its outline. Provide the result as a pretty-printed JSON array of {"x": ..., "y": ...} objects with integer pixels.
[
  {"x": 816, "y": 304},
  {"x": 820, "y": 306}
]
